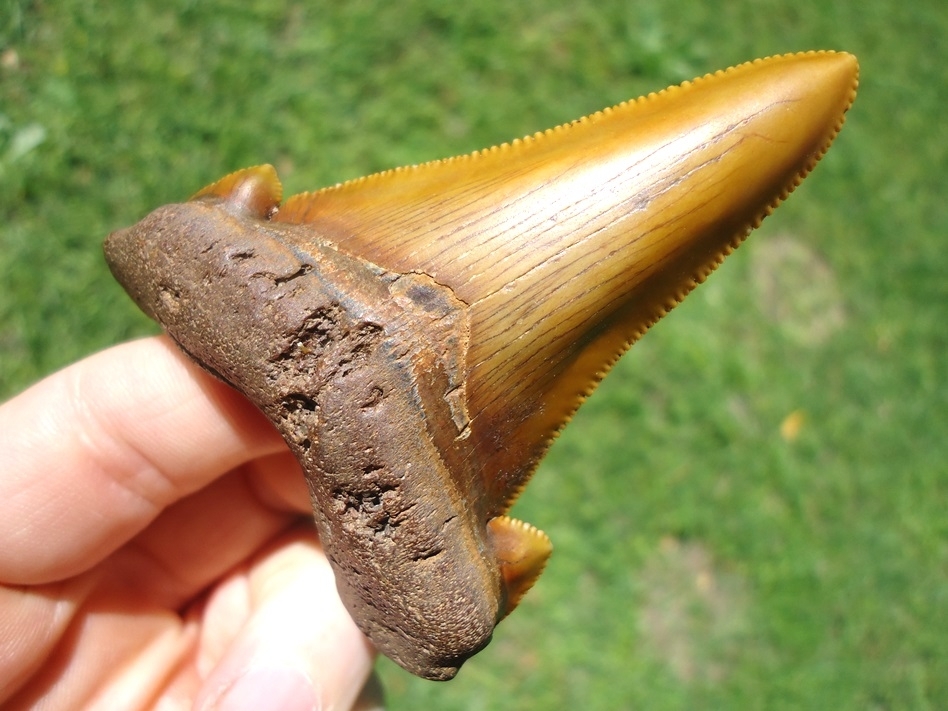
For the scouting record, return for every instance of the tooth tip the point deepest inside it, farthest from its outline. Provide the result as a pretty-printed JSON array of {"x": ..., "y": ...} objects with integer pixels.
[{"x": 805, "y": 98}]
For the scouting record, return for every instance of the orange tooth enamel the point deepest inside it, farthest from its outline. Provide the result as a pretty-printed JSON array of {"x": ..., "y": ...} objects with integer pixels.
[
  {"x": 419, "y": 336},
  {"x": 567, "y": 245},
  {"x": 522, "y": 551},
  {"x": 256, "y": 192}
]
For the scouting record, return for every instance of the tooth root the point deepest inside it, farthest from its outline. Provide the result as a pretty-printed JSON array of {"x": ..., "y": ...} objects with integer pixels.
[
  {"x": 255, "y": 192},
  {"x": 522, "y": 552},
  {"x": 569, "y": 244}
]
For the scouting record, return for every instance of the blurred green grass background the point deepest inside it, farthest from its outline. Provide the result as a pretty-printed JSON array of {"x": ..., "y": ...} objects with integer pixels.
[{"x": 751, "y": 511}]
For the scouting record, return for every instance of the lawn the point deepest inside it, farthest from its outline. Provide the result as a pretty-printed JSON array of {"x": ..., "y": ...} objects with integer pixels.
[{"x": 751, "y": 511}]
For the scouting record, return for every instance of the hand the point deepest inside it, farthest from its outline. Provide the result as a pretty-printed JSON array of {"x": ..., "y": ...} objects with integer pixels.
[{"x": 157, "y": 550}]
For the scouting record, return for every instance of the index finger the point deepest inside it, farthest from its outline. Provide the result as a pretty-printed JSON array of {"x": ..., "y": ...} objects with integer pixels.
[{"x": 92, "y": 454}]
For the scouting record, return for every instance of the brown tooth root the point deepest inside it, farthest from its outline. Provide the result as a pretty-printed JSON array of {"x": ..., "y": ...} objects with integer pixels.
[{"x": 419, "y": 336}]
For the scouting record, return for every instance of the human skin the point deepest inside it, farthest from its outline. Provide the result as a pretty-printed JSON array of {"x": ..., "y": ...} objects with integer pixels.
[{"x": 158, "y": 550}]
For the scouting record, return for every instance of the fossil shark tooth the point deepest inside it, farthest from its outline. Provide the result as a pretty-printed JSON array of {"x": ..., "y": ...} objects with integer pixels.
[{"x": 420, "y": 336}]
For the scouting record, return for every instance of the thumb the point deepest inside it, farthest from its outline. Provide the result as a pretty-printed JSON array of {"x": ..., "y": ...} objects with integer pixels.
[{"x": 298, "y": 649}]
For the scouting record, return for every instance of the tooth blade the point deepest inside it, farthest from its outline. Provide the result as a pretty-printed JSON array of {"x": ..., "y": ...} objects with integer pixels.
[{"x": 569, "y": 244}]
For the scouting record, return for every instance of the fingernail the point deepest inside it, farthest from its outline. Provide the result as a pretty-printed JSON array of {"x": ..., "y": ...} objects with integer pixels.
[{"x": 266, "y": 689}]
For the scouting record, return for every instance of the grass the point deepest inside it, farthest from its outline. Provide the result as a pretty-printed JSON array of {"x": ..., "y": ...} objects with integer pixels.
[{"x": 751, "y": 511}]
